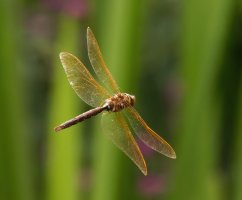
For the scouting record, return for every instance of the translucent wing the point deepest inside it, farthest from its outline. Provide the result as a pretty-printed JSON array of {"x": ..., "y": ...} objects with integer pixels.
[
  {"x": 147, "y": 135},
  {"x": 98, "y": 63},
  {"x": 82, "y": 81},
  {"x": 117, "y": 130}
]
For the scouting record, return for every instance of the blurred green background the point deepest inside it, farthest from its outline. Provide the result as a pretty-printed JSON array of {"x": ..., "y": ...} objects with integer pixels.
[{"x": 182, "y": 60}]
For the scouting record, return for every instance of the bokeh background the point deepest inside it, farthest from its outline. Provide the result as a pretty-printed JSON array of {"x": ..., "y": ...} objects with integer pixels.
[{"x": 182, "y": 60}]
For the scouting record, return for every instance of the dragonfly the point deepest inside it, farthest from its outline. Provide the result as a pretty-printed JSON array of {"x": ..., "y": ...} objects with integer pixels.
[{"x": 119, "y": 117}]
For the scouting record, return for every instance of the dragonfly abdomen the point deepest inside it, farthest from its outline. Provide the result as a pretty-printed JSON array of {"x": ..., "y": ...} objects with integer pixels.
[{"x": 80, "y": 118}]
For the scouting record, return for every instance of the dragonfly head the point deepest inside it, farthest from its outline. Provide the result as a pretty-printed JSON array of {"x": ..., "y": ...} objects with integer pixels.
[{"x": 132, "y": 100}]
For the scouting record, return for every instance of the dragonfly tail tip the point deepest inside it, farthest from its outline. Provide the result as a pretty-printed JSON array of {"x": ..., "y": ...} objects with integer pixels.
[{"x": 57, "y": 129}]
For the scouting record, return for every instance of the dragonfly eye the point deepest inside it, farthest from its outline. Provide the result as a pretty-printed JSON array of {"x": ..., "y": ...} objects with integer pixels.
[{"x": 132, "y": 99}]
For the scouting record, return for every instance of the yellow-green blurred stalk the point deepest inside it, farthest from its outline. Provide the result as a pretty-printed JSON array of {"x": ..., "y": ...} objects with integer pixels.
[
  {"x": 204, "y": 27},
  {"x": 119, "y": 27},
  {"x": 63, "y": 167},
  {"x": 237, "y": 169},
  {"x": 15, "y": 169}
]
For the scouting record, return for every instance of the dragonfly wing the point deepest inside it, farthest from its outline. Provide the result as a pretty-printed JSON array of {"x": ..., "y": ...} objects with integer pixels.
[
  {"x": 98, "y": 64},
  {"x": 117, "y": 130},
  {"x": 82, "y": 81},
  {"x": 147, "y": 135}
]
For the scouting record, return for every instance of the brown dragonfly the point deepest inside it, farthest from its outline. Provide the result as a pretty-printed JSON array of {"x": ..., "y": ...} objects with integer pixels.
[{"x": 118, "y": 109}]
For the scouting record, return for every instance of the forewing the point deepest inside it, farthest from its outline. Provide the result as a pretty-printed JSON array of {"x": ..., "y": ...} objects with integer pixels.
[
  {"x": 147, "y": 135},
  {"x": 82, "y": 81},
  {"x": 98, "y": 63},
  {"x": 117, "y": 130}
]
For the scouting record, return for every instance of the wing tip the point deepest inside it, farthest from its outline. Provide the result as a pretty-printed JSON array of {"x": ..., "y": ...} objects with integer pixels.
[
  {"x": 88, "y": 30},
  {"x": 145, "y": 172},
  {"x": 171, "y": 154},
  {"x": 63, "y": 54},
  {"x": 143, "y": 167},
  {"x": 89, "y": 33}
]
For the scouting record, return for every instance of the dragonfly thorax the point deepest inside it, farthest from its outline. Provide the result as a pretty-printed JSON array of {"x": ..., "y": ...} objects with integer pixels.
[{"x": 119, "y": 102}]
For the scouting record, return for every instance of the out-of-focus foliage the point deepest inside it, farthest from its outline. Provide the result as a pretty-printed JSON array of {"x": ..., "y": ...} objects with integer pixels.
[{"x": 182, "y": 60}]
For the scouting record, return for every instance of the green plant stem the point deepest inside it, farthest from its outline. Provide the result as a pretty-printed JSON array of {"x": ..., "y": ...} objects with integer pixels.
[
  {"x": 237, "y": 170},
  {"x": 204, "y": 25},
  {"x": 15, "y": 167},
  {"x": 119, "y": 27},
  {"x": 63, "y": 169}
]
